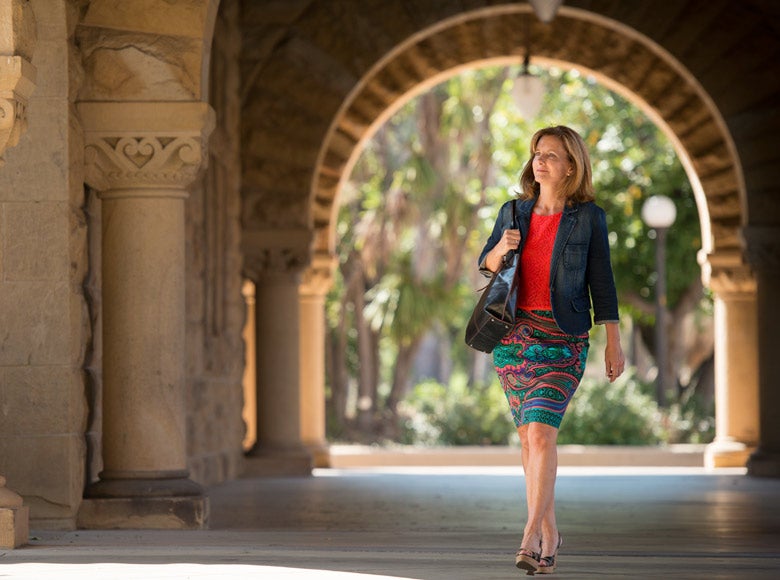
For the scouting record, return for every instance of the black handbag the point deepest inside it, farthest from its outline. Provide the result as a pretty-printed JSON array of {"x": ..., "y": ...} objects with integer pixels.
[{"x": 494, "y": 315}]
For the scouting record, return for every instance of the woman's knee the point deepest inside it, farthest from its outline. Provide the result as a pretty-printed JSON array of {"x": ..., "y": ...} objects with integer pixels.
[
  {"x": 522, "y": 431},
  {"x": 541, "y": 436}
]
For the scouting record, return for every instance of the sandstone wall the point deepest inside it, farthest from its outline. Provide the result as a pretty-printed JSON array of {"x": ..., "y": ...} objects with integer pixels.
[
  {"x": 215, "y": 306},
  {"x": 44, "y": 331}
]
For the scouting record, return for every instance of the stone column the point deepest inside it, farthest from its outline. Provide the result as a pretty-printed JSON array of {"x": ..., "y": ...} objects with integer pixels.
[
  {"x": 17, "y": 81},
  {"x": 736, "y": 360},
  {"x": 141, "y": 157},
  {"x": 274, "y": 261},
  {"x": 762, "y": 246},
  {"x": 317, "y": 280}
]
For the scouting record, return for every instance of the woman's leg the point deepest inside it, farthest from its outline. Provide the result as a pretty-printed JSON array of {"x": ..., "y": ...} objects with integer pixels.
[{"x": 540, "y": 463}]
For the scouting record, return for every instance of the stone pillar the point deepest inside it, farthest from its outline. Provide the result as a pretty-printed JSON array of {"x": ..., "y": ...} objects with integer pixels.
[
  {"x": 274, "y": 261},
  {"x": 762, "y": 244},
  {"x": 17, "y": 81},
  {"x": 736, "y": 360},
  {"x": 141, "y": 157},
  {"x": 317, "y": 280}
]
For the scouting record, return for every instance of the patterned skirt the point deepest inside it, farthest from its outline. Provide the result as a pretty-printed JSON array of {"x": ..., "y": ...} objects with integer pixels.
[{"x": 539, "y": 367}]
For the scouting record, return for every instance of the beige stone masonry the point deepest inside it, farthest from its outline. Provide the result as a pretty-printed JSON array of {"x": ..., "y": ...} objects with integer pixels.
[
  {"x": 145, "y": 50},
  {"x": 17, "y": 81},
  {"x": 14, "y": 518},
  {"x": 141, "y": 157}
]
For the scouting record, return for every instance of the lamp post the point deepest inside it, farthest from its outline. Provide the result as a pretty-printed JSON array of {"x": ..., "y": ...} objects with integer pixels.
[{"x": 659, "y": 213}]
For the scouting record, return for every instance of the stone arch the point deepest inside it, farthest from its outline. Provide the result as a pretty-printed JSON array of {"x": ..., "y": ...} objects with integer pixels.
[{"x": 627, "y": 62}]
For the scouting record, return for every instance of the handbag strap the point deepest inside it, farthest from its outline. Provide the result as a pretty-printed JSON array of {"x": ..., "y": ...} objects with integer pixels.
[
  {"x": 508, "y": 256},
  {"x": 507, "y": 259}
]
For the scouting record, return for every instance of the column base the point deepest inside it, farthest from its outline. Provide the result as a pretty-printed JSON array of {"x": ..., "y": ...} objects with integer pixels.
[
  {"x": 764, "y": 464},
  {"x": 260, "y": 462},
  {"x": 159, "y": 501},
  {"x": 14, "y": 526},
  {"x": 726, "y": 453},
  {"x": 320, "y": 453},
  {"x": 125, "y": 485},
  {"x": 146, "y": 513}
]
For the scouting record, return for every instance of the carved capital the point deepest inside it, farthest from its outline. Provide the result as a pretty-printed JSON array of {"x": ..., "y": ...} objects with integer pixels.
[
  {"x": 276, "y": 253},
  {"x": 17, "y": 82},
  {"x": 144, "y": 147},
  {"x": 727, "y": 273},
  {"x": 762, "y": 247},
  {"x": 318, "y": 277}
]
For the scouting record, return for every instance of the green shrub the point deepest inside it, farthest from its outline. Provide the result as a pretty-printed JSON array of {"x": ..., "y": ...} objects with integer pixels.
[
  {"x": 456, "y": 414},
  {"x": 690, "y": 421},
  {"x": 612, "y": 414},
  {"x": 621, "y": 413}
]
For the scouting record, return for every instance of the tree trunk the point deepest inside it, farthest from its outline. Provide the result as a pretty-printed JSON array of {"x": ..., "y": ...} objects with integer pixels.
[
  {"x": 336, "y": 342},
  {"x": 401, "y": 374},
  {"x": 365, "y": 347}
]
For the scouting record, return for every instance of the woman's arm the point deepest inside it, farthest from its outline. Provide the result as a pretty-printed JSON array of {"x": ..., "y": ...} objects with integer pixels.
[
  {"x": 600, "y": 278},
  {"x": 614, "y": 361},
  {"x": 499, "y": 243}
]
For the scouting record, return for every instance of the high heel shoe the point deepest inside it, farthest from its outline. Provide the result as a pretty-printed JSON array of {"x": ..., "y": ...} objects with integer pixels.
[
  {"x": 527, "y": 560},
  {"x": 547, "y": 564}
]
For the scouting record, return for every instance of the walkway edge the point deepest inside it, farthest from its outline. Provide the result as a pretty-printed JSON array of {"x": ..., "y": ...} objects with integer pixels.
[{"x": 357, "y": 456}]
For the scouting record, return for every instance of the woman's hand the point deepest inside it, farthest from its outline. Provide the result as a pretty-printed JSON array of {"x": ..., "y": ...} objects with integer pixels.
[
  {"x": 510, "y": 240},
  {"x": 614, "y": 361}
]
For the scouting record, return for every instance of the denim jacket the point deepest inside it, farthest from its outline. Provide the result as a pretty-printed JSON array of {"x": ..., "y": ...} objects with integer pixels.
[{"x": 580, "y": 268}]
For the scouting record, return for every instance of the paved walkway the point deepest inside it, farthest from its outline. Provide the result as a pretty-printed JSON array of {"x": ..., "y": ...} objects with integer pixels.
[{"x": 439, "y": 523}]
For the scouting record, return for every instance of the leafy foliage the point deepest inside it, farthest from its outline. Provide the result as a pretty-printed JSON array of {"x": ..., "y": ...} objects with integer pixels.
[
  {"x": 611, "y": 414},
  {"x": 456, "y": 414},
  {"x": 621, "y": 413}
]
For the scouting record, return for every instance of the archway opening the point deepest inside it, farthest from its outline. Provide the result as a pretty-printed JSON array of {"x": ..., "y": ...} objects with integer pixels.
[{"x": 419, "y": 203}]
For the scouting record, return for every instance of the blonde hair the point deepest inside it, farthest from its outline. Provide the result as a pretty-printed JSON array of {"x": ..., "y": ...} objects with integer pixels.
[{"x": 578, "y": 187}]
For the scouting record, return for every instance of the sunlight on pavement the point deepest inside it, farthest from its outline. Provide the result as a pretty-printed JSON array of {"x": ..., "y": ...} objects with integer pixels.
[
  {"x": 503, "y": 470},
  {"x": 171, "y": 572}
]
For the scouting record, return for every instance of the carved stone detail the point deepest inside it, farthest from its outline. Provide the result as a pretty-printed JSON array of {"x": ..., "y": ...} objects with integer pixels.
[
  {"x": 17, "y": 81},
  {"x": 270, "y": 262},
  {"x": 276, "y": 253},
  {"x": 8, "y": 498},
  {"x": 318, "y": 277},
  {"x": 143, "y": 161},
  {"x": 144, "y": 146},
  {"x": 727, "y": 273}
]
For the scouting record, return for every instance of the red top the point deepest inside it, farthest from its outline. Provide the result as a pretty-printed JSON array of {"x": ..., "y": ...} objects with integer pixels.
[{"x": 534, "y": 284}]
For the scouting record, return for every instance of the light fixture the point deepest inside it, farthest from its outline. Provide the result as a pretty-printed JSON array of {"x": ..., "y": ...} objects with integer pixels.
[
  {"x": 528, "y": 92},
  {"x": 659, "y": 212},
  {"x": 546, "y": 9}
]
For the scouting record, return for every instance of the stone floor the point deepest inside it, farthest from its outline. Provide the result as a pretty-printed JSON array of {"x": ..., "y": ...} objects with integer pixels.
[{"x": 439, "y": 523}]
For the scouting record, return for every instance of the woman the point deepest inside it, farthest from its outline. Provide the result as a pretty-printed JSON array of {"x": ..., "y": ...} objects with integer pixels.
[{"x": 561, "y": 235}]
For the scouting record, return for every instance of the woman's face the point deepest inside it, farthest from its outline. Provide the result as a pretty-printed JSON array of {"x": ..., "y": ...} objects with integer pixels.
[{"x": 551, "y": 163}]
